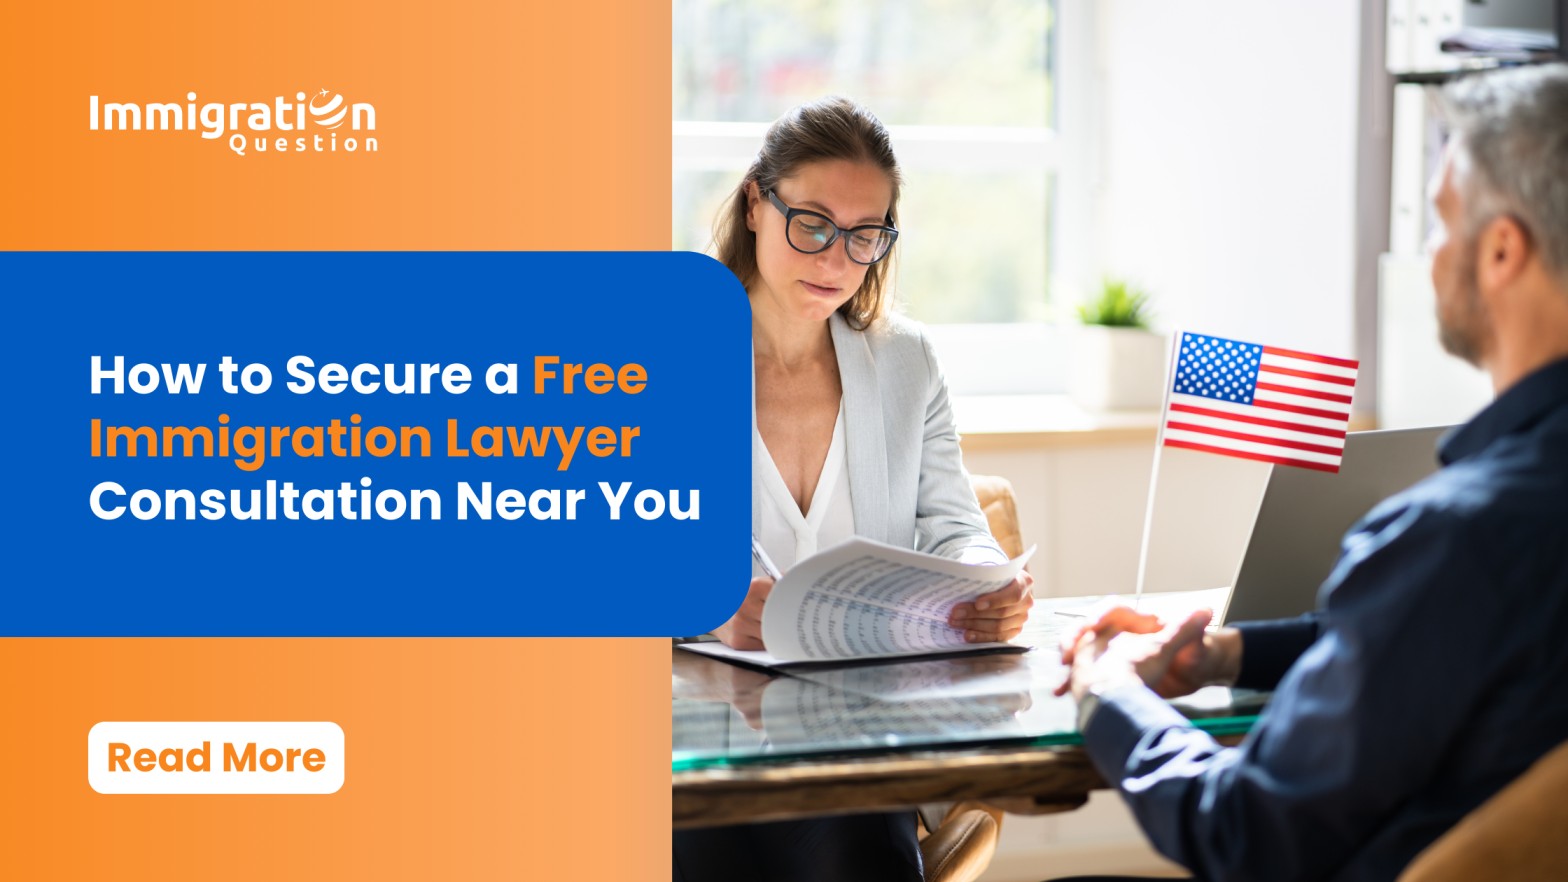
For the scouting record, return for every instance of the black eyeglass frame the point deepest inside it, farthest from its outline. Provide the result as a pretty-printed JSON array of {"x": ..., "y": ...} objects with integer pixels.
[{"x": 838, "y": 232}]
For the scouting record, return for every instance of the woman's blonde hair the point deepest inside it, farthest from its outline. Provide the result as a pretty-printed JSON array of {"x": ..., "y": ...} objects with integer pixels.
[{"x": 832, "y": 128}]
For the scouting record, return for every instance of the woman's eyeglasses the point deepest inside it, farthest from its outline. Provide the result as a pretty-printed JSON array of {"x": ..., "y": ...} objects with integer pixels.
[{"x": 811, "y": 233}]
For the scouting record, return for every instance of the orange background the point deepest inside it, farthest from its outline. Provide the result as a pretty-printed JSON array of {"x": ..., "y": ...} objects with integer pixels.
[
  {"x": 530, "y": 126},
  {"x": 464, "y": 759},
  {"x": 523, "y": 126}
]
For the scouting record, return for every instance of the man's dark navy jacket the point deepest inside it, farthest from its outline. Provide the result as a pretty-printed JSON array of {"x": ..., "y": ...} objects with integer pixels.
[{"x": 1434, "y": 672}]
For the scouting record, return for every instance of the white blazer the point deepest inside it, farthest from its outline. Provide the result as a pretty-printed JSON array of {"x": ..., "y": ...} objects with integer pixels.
[{"x": 907, "y": 481}]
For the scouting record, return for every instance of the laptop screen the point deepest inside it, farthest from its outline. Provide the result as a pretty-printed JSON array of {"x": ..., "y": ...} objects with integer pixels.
[{"x": 1304, "y": 515}]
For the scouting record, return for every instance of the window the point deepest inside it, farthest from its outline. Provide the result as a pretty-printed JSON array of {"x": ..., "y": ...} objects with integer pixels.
[{"x": 966, "y": 88}]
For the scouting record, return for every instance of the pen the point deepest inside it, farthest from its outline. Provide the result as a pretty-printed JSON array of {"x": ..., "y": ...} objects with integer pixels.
[{"x": 763, "y": 560}]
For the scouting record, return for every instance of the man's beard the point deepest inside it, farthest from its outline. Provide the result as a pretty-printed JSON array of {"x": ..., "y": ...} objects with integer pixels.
[{"x": 1463, "y": 336}]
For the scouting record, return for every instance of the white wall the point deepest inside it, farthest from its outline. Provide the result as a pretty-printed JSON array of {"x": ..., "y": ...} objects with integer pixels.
[
  {"x": 1226, "y": 184},
  {"x": 1082, "y": 505}
]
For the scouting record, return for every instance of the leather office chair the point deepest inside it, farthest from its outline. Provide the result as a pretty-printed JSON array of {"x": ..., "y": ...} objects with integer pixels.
[
  {"x": 1518, "y": 834},
  {"x": 961, "y": 847},
  {"x": 1000, "y": 505}
]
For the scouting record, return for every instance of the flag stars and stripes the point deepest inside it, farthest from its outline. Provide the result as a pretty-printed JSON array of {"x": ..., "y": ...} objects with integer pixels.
[
  {"x": 1259, "y": 402},
  {"x": 1216, "y": 368}
]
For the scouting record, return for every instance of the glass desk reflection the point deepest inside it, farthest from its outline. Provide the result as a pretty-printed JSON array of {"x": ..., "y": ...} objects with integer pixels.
[{"x": 749, "y": 745}]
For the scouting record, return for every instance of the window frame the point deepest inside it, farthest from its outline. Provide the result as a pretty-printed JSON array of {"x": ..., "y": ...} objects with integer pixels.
[{"x": 1068, "y": 142}]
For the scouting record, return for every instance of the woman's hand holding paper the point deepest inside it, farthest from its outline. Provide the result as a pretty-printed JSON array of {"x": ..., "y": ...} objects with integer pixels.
[
  {"x": 997, "y": 616},
  {"x": 744, "y": 629}
]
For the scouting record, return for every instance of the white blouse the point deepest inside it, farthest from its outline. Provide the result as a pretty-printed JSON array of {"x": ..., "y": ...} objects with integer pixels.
[{"x": 786, "y": 534}]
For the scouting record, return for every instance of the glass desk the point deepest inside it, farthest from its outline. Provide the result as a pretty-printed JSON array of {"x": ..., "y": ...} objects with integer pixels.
[{"x": 750, "y": 745}]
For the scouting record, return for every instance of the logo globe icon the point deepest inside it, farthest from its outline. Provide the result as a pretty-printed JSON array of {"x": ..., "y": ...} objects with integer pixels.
[{"x": 328, "y": 112}]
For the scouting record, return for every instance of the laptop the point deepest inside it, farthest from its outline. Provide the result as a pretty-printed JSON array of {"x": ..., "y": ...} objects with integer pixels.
[{"x": 1305, "y": 513}]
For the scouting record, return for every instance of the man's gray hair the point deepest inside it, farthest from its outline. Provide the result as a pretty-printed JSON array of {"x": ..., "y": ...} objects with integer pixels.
[{"x": 1512, "y": 156}]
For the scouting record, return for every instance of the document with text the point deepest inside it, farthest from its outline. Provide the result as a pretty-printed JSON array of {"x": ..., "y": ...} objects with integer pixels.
[{"x": 863, "y": 600}]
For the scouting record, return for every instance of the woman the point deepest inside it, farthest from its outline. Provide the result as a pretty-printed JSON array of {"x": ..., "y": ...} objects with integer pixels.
[{"x": 853, "y": 436}]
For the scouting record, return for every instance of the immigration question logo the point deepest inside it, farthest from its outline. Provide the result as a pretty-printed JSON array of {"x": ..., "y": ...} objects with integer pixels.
[{"x": 322, "y": 122}]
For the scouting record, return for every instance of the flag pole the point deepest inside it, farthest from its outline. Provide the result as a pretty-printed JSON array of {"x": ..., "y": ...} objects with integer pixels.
[{"x": 1154, "y": 476}]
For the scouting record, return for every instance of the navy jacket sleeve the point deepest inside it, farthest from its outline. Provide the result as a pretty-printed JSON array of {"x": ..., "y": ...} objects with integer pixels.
[
  {"x": 1268, "y": 649},
  {"x": 1361, "y": 721}
]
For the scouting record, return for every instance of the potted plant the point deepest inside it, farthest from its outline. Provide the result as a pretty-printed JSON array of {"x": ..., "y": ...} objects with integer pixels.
[{"x": 1116, "y": 362}]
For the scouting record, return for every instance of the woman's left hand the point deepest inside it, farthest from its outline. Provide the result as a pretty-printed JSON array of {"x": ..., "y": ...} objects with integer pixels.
[{"x": 999, "y": 615}]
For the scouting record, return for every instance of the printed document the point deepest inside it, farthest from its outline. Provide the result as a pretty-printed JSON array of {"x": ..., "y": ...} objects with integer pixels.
[{"x": 863, "y": 599}]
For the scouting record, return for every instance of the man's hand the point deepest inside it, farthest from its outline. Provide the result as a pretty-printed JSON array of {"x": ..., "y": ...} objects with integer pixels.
[
  {"x": 1171, "y": 659},
  {"x": 744, "y": 629},
  {"x": 997, "y": 616}
]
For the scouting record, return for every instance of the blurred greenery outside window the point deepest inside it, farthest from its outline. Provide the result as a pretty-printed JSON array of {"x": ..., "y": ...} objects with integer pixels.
[{"x": 966, "y": 88}]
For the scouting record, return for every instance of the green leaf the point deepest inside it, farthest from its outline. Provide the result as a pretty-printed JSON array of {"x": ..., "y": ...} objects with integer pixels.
[{"x": 1119, "y": 305}]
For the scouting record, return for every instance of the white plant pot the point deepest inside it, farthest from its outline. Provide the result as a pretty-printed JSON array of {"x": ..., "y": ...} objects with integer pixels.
[{"x": 1116, "y": 368}]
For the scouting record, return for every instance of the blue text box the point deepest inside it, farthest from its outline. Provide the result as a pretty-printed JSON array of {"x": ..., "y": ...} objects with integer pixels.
[{"x": 682, "y": 317}]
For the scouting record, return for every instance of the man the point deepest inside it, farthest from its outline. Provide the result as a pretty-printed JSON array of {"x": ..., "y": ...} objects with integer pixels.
[{"x": 1436, "y": 667}]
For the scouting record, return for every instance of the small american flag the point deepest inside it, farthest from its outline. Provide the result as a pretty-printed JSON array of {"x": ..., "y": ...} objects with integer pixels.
[{"x": 1259, "y": 402}]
